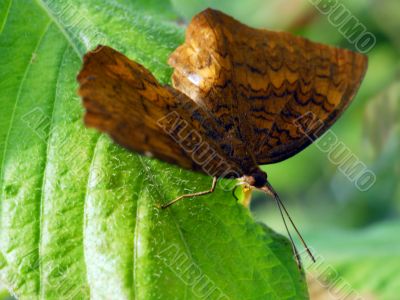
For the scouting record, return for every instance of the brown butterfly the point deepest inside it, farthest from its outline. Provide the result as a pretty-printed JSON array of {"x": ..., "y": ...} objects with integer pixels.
[{"x": 241, "y": 98}]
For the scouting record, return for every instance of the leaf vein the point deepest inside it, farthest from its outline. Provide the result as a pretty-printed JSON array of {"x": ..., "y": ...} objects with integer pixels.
[
  {"x": 43, "y": 190},
  {"x": 85, "y": 202},
  {"x": 60, "y": 27},
  {"x": 6, "y": 16}
]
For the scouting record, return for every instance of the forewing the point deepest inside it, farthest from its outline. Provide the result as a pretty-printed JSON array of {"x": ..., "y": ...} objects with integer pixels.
[
  {"x": 123, "y": 99},
  {"x": 258, "y": 83}
]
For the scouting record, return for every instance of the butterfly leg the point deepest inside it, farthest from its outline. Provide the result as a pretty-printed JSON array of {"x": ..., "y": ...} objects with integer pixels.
[{"x": 213, "y": 185}]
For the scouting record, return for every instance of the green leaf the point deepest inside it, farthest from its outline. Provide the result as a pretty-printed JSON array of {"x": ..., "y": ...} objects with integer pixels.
[{"x": 79, "y": 215}]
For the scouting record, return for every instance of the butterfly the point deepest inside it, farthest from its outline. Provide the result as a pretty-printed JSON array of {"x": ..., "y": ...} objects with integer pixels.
[{"x": 240, "y": 97}]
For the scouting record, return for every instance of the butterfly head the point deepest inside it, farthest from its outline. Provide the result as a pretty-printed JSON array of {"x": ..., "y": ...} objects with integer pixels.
[{"x": 257, "y": 179}]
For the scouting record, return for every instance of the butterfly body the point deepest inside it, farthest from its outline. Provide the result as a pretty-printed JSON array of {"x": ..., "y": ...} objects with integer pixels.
[{"x": 257, "y": 179}]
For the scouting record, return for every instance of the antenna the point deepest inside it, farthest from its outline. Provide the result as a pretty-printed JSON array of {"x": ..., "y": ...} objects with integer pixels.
[{"x": 268, "y": 189}]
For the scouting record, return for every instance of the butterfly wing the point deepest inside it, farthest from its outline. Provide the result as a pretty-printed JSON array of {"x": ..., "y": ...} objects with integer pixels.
[
  {"x": 259, "y": 84},
  {"x": 123, "y": 99}
]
